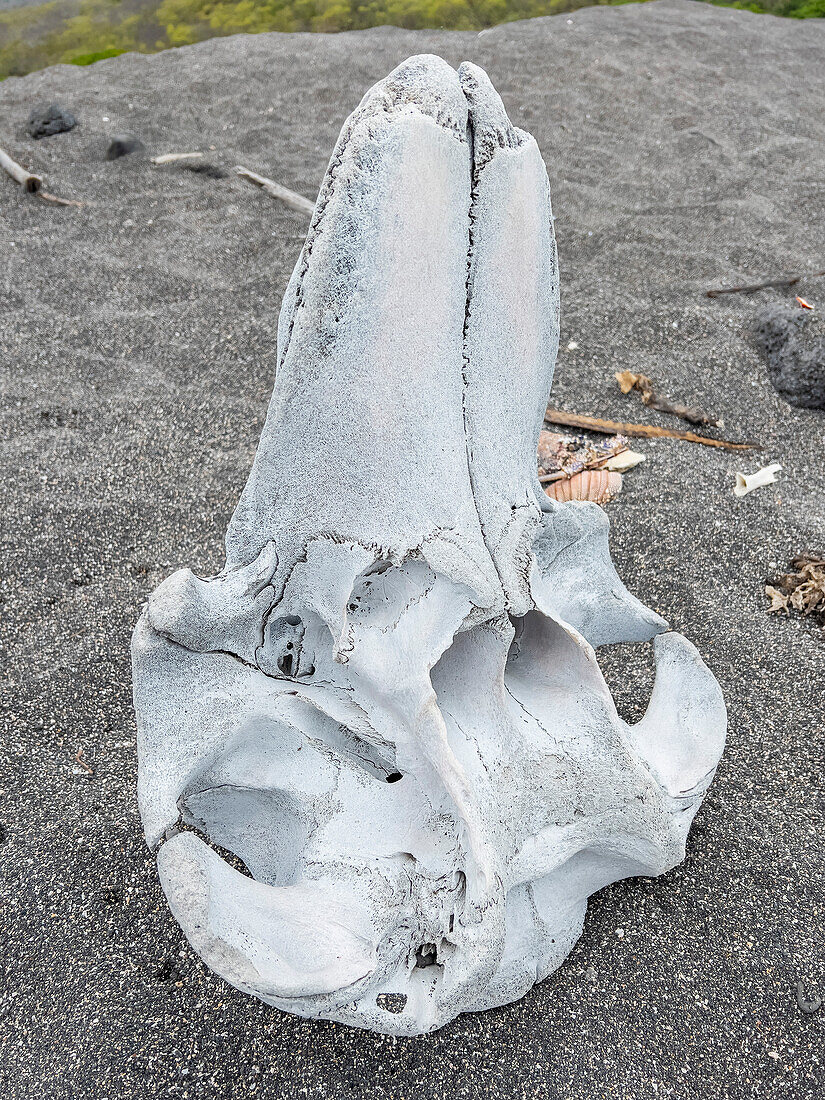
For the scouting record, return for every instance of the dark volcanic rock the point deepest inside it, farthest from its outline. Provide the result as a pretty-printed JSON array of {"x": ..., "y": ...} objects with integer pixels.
[
  {"x": 46, "y": 121},
  {"x": 794, "y": 341},
  {"x": 123, "y": 144}
]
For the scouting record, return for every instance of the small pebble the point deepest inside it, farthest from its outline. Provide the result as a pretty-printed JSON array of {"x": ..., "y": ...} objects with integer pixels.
[
  {"x": 123, "y": 144},
  {"x": 807, "y": 998},
  {"x": 45, "y": 121}
]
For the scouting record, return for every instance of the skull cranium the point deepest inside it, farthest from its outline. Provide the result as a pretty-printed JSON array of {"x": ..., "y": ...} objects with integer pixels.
[{"x": 377, "y": 756}]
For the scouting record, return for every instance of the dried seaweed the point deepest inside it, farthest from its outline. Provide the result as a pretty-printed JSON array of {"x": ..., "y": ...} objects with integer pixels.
[
  {"x": 629, "y": 381},
  {"x": 803, "y": 590},
  {"x": 564, "y": 456}
]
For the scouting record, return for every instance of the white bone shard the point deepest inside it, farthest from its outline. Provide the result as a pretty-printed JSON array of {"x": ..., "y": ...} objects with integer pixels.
[
  {"x": 378, "y": 760},
  {"x": 746, "y": 483}
]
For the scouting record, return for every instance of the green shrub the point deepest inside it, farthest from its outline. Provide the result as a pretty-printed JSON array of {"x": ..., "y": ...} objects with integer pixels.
[{"x": 98, "y": 55}]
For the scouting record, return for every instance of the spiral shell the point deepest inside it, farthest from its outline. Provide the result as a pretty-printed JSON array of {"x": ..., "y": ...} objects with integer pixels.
[{"x": 600, "y": 486}]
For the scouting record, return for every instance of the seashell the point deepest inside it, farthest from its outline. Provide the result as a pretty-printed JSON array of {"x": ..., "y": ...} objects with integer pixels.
[
  {"x": 625, "y": 460},
  {"x": 600, "y": 486}
]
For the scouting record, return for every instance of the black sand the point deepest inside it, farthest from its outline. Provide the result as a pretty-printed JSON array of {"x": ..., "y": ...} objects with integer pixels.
[{"x": 686, "y": 149}]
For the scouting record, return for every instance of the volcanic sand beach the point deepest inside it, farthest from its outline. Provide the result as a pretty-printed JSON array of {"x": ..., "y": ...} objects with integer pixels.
[{"x": 686, "y": 150}]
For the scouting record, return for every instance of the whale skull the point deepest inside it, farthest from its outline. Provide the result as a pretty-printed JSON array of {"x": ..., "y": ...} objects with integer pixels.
[{"x": 377, "y": 757}]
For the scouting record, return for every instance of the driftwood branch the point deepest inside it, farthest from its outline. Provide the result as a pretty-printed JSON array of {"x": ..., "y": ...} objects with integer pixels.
[
  {"x": 291, "y": 198},
  {"x": 640, "y": 431},
  {"x": 27, "y": 180},
  {"x": 791, "y": 280},
  {"x": 170, "y": 158}
]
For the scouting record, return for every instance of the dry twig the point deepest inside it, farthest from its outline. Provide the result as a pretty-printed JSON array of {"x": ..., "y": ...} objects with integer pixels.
[
  {"x": 640, "y": 431},
  {"x": 291, "y": 198},
  {"x": 170, "y": 158},
  {"x": 57, "y": 200},
  {"x": 79, "y": 758},
  {"x": 791, "y": 280}
]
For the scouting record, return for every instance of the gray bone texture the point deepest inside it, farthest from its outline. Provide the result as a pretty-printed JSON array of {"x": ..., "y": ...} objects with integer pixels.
[{"x": 377, "y": 758}]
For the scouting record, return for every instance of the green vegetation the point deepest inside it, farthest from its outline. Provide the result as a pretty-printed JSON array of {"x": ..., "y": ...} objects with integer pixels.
[{"x": 79, "y": 32}]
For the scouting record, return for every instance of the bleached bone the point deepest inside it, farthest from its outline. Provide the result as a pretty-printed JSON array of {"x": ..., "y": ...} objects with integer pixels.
[
  {"x": 387, "y": 707},
  {"x": 27, "y": 180},
  {"x": 746, "y": 483}
]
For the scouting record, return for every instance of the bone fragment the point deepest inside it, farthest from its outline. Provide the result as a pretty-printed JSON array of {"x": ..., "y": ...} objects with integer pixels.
[
  {"x": 746, "y": 483},
  {"x": 624, "y": 461},
  {"x": 27, "y": 180}
]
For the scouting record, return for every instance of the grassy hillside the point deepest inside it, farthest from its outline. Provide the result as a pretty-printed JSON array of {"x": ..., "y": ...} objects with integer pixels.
[{"x": 82, "y": 31}]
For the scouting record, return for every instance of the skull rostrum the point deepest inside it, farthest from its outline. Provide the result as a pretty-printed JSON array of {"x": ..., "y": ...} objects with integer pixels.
[{"x": 378, "y": 760}]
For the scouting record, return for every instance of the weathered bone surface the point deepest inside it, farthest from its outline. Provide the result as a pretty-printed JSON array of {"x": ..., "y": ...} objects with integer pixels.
[{"x": 387, "y": 707}]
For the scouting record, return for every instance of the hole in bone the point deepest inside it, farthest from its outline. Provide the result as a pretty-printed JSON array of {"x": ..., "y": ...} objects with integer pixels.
[
  {"x": 392, "y": 1002},
  {"x": 283, "y": 652},
  {"x": 426, "y": 955},
  {"x": 393, "y": 777},
  {"x": 544, "y": 656},
  {"x": 629, "y": 669}
]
